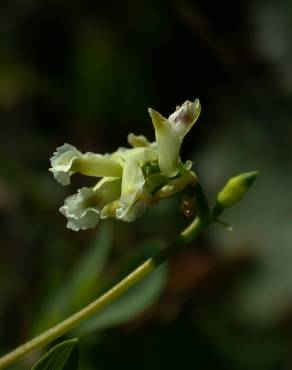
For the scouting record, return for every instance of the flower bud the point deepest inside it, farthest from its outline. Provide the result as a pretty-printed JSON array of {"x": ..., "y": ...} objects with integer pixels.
[{"x": 235, "y": 189}]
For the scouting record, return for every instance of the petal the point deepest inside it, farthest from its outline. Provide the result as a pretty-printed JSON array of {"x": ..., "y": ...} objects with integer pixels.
[
  {"x": 108, "y": 189},
  {"x": 170, "y": 133},
  {"x": 110, "y": 210},
  {"x": 142, "y": 155},
  {"x": 67, "y": 160},
  {"x": 134, "y": 198},
  {"x": 81, "y": 210},
  {"x": 169, "y": 143},
  {"x": 131, "y": 213},
  {"x": 139, "y": 155},
  {"x": 185, "y": 117},
  {"x": 61, "y": 163},
  {"x": 96, "y": 165},
  {"x": 137, "y": 141}
]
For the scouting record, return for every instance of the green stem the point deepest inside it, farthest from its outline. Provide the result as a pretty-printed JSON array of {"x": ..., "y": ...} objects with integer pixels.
[{"x": 198, "y": 224}]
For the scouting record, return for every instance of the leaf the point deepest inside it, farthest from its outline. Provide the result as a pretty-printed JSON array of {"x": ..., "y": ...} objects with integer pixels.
[
  {"x": 133, "y": 302},
  {"x": 63, "y": 356},
  {"x": 80, "y": 286}
]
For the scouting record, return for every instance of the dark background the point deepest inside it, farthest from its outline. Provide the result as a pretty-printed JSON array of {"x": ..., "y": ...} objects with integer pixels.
[{"x": 85, "y": 73}]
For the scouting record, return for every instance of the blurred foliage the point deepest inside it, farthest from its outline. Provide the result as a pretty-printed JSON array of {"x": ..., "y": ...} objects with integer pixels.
[
  {"x": 137, "y": 299},
  {"x": 80, "y": 286},
  {"x": 85, "y": 73},
  {"x": 64, "y": 356}
]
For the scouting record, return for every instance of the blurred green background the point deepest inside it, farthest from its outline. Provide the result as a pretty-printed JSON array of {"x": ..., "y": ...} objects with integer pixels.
[{"x": 84, "y": 72}]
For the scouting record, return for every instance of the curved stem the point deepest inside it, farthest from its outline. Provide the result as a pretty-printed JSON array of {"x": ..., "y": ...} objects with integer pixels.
[{"x": 198, "y": 224}]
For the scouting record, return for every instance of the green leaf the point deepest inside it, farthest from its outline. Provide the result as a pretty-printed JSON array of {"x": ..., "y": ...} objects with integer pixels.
[
  {"x": 64, "y": 356},
  {"x": 80, "y": 286},
  {"x": 133, "y": 302}
]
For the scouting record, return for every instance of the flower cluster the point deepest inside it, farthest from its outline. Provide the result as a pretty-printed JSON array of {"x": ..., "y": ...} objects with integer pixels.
[{"x": 131, "y": 178}]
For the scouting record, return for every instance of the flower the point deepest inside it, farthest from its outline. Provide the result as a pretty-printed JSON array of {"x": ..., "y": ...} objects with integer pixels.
[
  {"x": 131, "y": 178},
  {"x": 170, "y": 133},
  {"x": 67, "y": 160}
]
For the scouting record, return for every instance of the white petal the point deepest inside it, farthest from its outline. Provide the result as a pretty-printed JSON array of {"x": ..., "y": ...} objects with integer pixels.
[
  {"x": 67, "y": 160},
  {"x": 61, "y": 163},
  {"x": 81, "y": 210},
  {"x": 185, "y": 117}
]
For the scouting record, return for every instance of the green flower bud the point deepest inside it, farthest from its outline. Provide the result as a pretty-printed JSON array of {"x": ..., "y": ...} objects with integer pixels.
[{"x": 235, "y": 188}]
